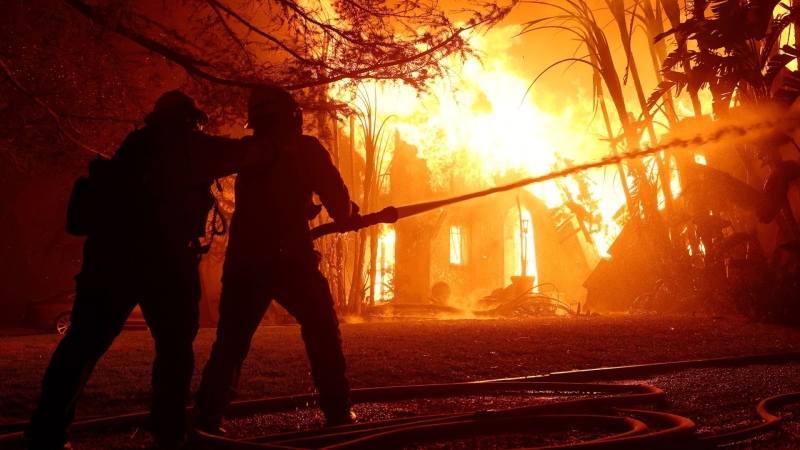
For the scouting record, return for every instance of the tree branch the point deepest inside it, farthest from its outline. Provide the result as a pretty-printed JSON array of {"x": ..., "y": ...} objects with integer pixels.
[
  {"x": 233, "y": 36},
  {"x": 195, "y": 67},
  {"x": 243, "y": 21},
  {"x": 14, "y": 82},
  {"x": 333, "y": 30},
  {"x": 357, "y": 73},
  {"x": 187, "y": 62}
]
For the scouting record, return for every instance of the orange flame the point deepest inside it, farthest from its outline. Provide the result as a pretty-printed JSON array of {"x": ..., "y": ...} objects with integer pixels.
[{"x": 484, "y": 125}]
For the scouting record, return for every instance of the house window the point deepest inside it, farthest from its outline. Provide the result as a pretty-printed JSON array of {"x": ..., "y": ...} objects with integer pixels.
[
  {"x": 458, "y": 252},
  {"x": 384, "y": 271}
]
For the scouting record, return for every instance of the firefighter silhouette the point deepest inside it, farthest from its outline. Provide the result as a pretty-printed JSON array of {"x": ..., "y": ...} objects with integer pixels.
[
  {"x": 143, "y": 212},
  {"x": 271, "y": 256}
]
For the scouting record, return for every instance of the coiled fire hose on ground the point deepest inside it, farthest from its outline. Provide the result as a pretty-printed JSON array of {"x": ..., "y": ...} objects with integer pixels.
[{"x": 611, "y": 412}]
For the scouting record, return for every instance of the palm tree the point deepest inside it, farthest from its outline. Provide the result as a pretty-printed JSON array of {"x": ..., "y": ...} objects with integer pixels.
[
  {"x": 736, "y": 55},
  {"x": 377, "y": 160},
  {"x": 735, "y": 52},
  {"x": 577, "y": 18}
]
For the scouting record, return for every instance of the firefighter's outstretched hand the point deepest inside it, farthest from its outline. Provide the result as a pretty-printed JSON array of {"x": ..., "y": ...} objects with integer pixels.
[
  {"x": 355, "y": 216},
  {"x": 356, "y": 220},
  {"x": 354, "y": 209},
  {"x": 313, "y": 211}
]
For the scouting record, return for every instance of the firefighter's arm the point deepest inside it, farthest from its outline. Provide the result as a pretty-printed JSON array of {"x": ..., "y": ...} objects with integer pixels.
[
  {"x": 213, "y": 157},
  {"x": 327, "y": 182}
]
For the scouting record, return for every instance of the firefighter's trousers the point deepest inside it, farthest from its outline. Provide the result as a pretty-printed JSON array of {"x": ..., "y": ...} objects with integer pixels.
[
  {"x": 304, "y": 292},
  {"x": 106, "y": 293}
]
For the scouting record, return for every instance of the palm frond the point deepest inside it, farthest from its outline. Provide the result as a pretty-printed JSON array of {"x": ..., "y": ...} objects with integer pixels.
[
  {"x": 759, "y": 15},
  {"x": 677, "y": 77},
  {"x": 672, "y": 10},
  {"x": 776, "y": 29},
  {"x": 776, "y": 64},
  {"x": 662, "y": 89},
  {"x": 676, "y": 57},
  {"x": 789, "y": 90},
  {"x": 720, "y": 9},
  {"x": 684, "y": 28}
]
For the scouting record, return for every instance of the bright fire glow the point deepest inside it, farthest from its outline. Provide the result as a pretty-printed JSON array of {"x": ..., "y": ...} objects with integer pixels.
[
  {"x": 457, "y": 253},
  {"x": 489, "y": 129},
  {"x": 488, "y": 126},
  {"x": 522, "y": 261},
  {"x": 675, "y": 183},
  {"x": 384, "y": 273}
]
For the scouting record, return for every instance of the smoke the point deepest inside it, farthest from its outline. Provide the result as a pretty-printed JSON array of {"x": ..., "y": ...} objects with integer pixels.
[
  {"x": 760, "y": 125},
  {"x": 718, "y": 132}
]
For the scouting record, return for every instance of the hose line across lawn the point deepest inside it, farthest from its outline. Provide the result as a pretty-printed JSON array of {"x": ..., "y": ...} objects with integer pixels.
[{"x": 604, "y": 409}]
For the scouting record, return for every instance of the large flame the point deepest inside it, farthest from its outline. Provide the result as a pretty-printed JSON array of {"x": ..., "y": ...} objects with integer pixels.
[{"x": 486, "y": 124}]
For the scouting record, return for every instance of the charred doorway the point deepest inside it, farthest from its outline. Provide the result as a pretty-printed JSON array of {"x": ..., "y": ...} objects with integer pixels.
[{"x": 519, "y": 253}]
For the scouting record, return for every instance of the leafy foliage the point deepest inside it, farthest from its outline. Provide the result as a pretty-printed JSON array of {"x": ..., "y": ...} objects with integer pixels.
[
  {"x": 734, "y": 51},
  {"x": 300, "y": 44},
  {"x": 99, "y": 66}
]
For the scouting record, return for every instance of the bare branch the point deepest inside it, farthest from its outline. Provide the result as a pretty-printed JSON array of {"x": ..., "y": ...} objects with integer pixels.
[
  {"x": 245, "y": 22},
  {"x": 357, "y": 73},
  {"x": 233, "y": 35},
  {"x": 188, "y": 63},
  {"x": 383, "y": 53},
  {"x": 302, "y": 13},
  {"x": 14, "y": 82}
]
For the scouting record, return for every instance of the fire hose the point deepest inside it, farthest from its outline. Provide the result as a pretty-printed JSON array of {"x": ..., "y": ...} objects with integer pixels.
[
  {"x": 623, "y": 427},
  {"x": 589, "y": 412},
  {"x": 631, "y": 433},
  {"x": 392, "y": 214}
]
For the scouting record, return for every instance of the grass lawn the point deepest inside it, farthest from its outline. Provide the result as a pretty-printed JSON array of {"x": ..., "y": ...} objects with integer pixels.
[{"x": 401, "y": 353}]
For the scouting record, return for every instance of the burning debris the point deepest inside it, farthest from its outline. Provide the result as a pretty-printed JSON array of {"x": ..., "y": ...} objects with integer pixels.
[
  {"x": 641, "y": 254},
  {"x": 517, "y": 300}
]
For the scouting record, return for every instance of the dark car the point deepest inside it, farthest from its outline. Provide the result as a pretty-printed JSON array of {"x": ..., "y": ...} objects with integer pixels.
[{"x": 53, "y": 314}]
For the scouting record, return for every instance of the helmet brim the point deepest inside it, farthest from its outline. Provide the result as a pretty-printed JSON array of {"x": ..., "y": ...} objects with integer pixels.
[{"x": 161, "y": 115}]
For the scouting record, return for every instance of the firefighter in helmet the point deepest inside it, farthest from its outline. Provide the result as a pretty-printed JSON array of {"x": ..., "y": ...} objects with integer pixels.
[
  {"x": 271, "y": 256},
  {"x": 144, "y": 213}
]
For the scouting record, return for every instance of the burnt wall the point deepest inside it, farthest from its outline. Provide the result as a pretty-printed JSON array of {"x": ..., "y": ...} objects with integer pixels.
[{"x": 560, "y": 259}]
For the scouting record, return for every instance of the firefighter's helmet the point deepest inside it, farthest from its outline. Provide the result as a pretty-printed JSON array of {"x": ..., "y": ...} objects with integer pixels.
[
  {"x": 172, "y": 103},
  {"x": 269, "y": 100}
]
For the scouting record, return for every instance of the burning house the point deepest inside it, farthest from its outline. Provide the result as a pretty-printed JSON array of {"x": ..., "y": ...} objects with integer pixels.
[{"x": 475, "y": 248}]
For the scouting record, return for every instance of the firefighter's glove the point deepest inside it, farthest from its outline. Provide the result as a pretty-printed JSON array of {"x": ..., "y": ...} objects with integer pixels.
[
  {"x": 313, "y": 211},
  {"x": 355, "y": 218}
]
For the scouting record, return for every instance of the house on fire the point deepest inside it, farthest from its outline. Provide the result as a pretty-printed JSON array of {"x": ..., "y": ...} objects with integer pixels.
[{"x": 477, "y": 246}]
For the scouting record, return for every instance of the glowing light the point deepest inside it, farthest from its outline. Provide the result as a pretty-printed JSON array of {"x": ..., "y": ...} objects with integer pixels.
[
  {"x": 787, "y": 37},
  {"x": 524, "y": 256},
  {"x": 457, "y": 246},
  {"x": 674, "y": 179},
  {"x": 481, "y": 126},
  {"x": 384, "y": 271}
]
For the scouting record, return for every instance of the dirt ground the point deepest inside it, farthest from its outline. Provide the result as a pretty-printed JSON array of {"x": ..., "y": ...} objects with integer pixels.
[{"x": 432, "y": 351}]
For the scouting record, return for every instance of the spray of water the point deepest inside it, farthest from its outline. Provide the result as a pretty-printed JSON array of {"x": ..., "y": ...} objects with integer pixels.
[{"x": 717, "y": 133}]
